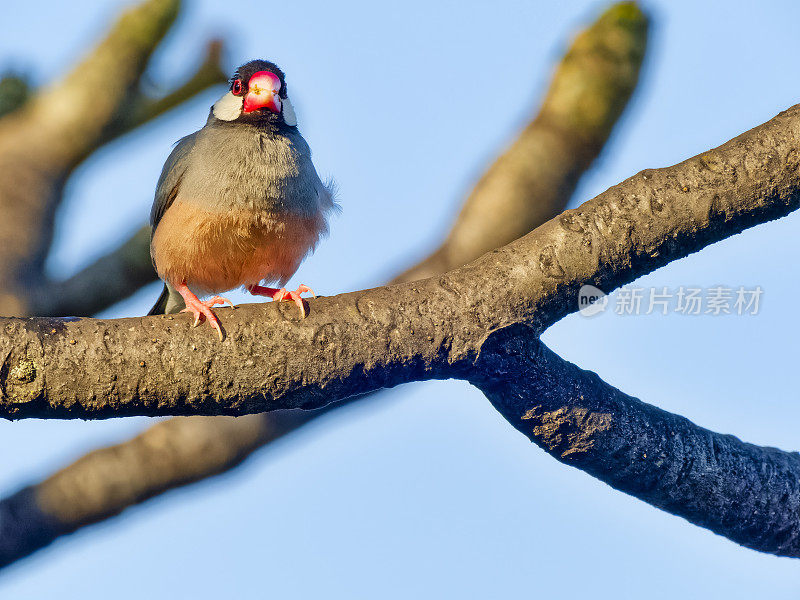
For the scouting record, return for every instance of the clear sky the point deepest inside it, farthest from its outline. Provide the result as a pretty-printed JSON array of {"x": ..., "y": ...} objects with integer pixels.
[{"x": 426, "y": 492}]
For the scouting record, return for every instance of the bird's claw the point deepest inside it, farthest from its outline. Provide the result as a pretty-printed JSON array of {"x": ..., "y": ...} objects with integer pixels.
[
  {"x": 278, "y": 294},
  {"x": 202, "y": 309}
]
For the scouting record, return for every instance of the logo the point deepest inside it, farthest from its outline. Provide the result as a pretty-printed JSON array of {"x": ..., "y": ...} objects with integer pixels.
[{"x": 591, "y": 301}]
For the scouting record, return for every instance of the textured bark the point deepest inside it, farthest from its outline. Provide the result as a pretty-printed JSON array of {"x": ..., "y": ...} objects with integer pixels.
[
  {"x": 749, "y": 494},
  {"x": 362, "y": 341}
]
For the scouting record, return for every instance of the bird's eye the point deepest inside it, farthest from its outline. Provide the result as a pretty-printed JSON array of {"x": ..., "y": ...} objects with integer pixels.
[{"x": 236, "y": 88}]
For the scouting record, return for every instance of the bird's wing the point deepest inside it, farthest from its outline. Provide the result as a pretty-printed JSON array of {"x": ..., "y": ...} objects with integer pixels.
[{"x": 170, "y": 180}]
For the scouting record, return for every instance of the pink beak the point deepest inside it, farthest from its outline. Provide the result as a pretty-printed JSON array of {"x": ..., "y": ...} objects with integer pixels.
[{"x": 262, "y": 92}]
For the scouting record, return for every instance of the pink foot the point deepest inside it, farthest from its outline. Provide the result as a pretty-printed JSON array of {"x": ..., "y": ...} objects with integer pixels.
[
  {"x": 278, "y": 294},
  {"x": 202, "y": 308}
]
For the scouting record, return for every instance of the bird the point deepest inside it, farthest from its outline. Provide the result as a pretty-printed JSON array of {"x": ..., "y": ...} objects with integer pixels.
[{"x": 239, "y": 202}]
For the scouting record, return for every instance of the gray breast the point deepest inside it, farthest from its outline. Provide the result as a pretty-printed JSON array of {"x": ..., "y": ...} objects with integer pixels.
[{"x": 232, "y": 166}]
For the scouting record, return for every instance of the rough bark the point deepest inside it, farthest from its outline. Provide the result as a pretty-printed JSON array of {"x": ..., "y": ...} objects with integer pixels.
[
  {"x": 749, "y": 494},
  {"x": 362, "y": 341}
]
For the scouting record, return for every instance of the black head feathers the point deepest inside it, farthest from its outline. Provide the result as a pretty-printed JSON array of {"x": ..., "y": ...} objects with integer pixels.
[{"x": 245, "y": 72}]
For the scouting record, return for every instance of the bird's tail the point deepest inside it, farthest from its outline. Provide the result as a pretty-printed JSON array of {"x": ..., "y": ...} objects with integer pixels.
[{"x": 170, "y": 301}]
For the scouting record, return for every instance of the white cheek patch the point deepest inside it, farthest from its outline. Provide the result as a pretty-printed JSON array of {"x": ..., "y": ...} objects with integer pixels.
[
  {"x": 288, "y": 113},
  {"x": 228, "y": 108}
]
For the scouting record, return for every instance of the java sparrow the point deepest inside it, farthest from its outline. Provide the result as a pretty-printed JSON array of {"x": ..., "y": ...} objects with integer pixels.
[{"x": 239, "y": 202}]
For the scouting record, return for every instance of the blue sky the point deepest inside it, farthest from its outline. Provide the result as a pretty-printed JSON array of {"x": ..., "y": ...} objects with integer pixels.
[{"x": 427, "y": 492}]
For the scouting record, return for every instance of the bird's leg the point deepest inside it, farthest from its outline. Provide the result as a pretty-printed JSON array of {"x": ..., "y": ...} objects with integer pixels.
[
  {"x": 202, "y": 308},
  {"x": 279, "y": 294}
]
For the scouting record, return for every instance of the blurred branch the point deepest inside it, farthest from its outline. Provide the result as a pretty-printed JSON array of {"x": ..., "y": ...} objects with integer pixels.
[
  {"x": 14, "y": 92},
  {"x": 184, "y": 449},
  {"x": 60, "y": 124},
  {"x": 99, "y": 499},
  {"x": 101, "y": 284},
  {"x": 141, "y": 108},
  {"x": 535, "y": 178}
]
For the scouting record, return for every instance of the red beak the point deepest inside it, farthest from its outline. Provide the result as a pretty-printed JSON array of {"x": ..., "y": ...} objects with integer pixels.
[{"x": 262, "y": 92}]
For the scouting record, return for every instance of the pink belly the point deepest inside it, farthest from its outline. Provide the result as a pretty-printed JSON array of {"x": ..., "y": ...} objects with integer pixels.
[{"x": 218, "y": 251}]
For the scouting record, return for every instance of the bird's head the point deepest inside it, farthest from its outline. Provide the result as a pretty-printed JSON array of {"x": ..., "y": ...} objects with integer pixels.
[{"x": 257, "y": 94}]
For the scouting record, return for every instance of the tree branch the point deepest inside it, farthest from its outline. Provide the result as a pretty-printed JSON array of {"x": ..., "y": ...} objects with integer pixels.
[
  {"x": 362, "y": 341},
  {"x": 749, "y": 494},
  {"x": 141, "y": 108},
  {"x": 583, "y": 72},
  {"x": 101, "y": 284},
  {"x": 42, "y": 141},
  {"x": 14, "y": 92},
  {"x": 534, "y": 179}
]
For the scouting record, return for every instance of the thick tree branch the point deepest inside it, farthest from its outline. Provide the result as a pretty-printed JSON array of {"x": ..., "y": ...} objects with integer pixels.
[
  {"x": 362, "y": 341},
  {"x": 749, "y": 494}
]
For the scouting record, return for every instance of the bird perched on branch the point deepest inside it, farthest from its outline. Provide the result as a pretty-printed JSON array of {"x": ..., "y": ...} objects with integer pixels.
[{"x": 239, "y": 202}]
